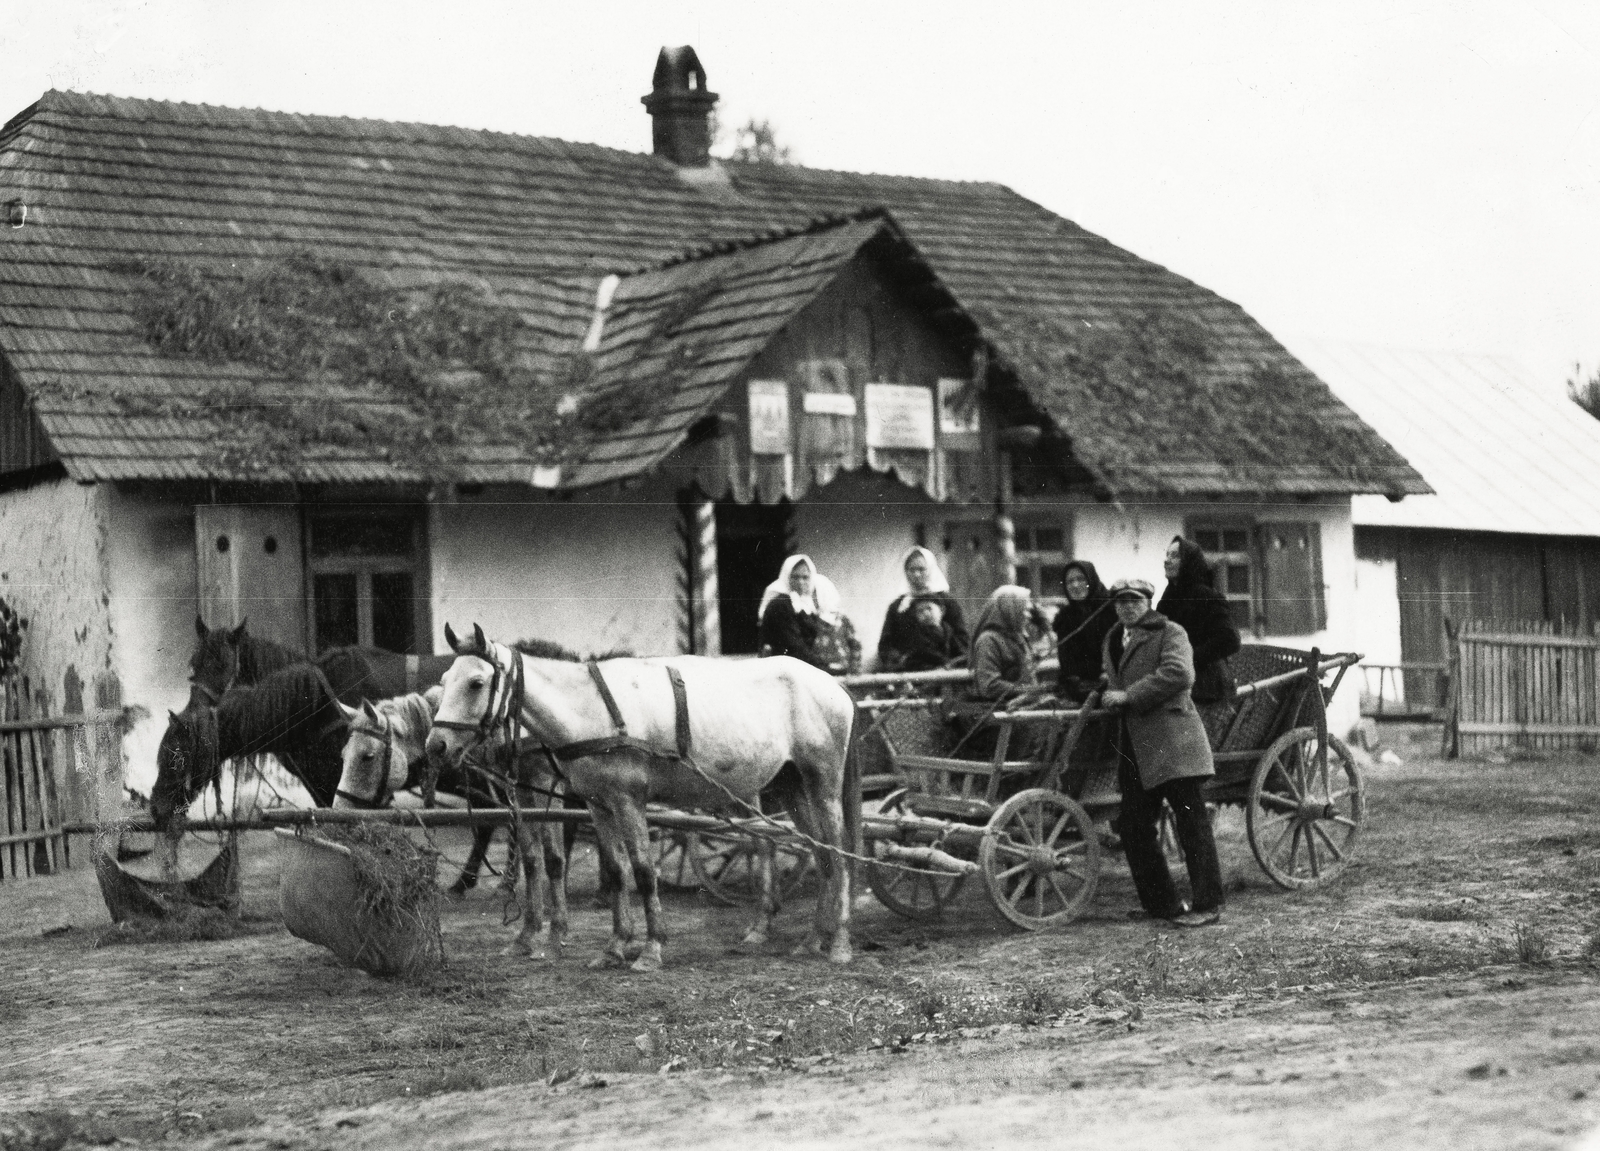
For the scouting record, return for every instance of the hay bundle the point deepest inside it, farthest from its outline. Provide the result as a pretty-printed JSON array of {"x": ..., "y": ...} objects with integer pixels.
[{"x": 367, "y": 893}]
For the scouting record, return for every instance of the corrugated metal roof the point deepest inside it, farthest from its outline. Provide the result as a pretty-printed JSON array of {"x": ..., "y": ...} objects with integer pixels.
[
  {"x": 537, "y": 222},
  {"x": 1502, "y": 453}
]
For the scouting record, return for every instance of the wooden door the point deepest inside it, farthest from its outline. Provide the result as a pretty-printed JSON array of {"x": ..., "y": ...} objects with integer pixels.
[
  {"x": 969, "y": 552},
  {"x": 250, "y": 566}
]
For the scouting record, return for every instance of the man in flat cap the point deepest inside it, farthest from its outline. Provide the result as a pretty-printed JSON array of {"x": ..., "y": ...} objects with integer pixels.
[{"x": 1162, "y": 754}]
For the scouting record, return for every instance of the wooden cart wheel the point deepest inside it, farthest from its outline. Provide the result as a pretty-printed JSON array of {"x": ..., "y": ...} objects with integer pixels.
[
  {"x": 913, "y": 894},
  {"x": 1040, "y": 857},
  {"x": 725, "y": 864},
  {"x": 670, "y": 849},
  {"x": 1302, "y": 821}
]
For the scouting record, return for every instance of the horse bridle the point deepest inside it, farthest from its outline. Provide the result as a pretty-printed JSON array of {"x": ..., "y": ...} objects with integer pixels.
[
  {"x": 385, "y": 793},
  {"x": 502, "y": 712}
]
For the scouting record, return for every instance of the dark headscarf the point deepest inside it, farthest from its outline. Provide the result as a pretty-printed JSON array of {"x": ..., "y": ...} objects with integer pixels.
[
  {"x": 1080, "y": 626},
  {"x": 1192, "y": 601}
]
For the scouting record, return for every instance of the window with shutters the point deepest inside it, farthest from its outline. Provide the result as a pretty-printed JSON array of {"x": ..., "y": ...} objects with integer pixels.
[{"x": 1270, "y": 573}]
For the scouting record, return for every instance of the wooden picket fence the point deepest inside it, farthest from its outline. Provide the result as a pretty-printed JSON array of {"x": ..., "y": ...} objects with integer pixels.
[
  {"x": 1525, "y": 685},
  {"x": 56, "y": 769}
]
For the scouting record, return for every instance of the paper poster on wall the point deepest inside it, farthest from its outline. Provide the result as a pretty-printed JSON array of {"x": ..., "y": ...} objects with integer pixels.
[
  {"x": 899, "y": 416},
  {"x": 958, "y": 407},
  {"x": 769, "y": 417}
]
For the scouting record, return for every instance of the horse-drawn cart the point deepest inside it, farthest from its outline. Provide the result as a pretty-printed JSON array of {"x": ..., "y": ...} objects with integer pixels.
[{"x": 1031, "y": 826}]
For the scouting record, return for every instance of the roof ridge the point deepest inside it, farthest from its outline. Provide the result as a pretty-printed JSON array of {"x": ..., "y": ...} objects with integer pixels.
[
  {"x": 105, "y": 104},
  {"x": 826, "y": 222}
]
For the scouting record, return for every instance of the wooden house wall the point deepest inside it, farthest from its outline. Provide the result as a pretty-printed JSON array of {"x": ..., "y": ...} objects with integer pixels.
[
  {"x": 1453, "y": 575},
  {"x": 863, "y": 322},
  {"x": 22, "y": 441}
]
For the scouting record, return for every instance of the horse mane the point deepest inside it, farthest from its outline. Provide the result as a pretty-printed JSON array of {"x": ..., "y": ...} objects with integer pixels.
[
  {"x": 274, "y": 713},
  {"x": 259, "y": 658},
  {"x": 415, "y": 710},
  {"x": 550, "y": 649}
]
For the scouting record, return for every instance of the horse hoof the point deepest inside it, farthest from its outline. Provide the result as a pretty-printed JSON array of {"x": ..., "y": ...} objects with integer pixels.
[
  {"x": 646, "y": 962},
  {"x": 840, "y": 953},
  {"x": 755, "y": 937},
  {"x": 605, "y": 960}
]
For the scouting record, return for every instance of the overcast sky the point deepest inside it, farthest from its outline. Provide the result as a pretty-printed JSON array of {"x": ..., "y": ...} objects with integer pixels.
[{"x": 1419, "y": 174}]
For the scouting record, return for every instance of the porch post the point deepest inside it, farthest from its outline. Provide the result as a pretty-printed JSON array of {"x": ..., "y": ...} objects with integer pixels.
[{"x": 700, "y": 624}]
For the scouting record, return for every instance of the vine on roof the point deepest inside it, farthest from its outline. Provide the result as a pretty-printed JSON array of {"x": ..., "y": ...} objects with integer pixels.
[{"x": 409, "y": 372}]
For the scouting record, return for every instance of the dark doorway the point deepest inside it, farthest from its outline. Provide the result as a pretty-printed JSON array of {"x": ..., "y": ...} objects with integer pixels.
[{"x": 752, "y": 541}]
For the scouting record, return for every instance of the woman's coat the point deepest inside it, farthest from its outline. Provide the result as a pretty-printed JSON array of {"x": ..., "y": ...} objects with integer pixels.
[{"x": 1156, "y": 669}]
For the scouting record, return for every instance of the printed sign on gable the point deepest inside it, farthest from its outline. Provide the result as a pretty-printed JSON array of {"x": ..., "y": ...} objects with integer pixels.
[
  {"x": 899, "y": 416},
  {"x": 769, "y": 418}
]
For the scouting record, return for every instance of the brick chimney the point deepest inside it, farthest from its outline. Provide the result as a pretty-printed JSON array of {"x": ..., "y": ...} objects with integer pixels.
[{"x": 680, "y": 109}]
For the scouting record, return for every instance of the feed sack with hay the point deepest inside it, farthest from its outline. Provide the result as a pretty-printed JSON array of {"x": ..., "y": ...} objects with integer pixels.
[{"x": 364, "y": 891}]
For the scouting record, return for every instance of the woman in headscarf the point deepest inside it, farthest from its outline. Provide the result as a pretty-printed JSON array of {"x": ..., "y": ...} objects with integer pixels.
[
  {"x": 1192, "y": 601},
  {"x": 800, "y": 617},
  {"x": 1002, "y": 651},
  {"x": 1003, "y": 674},
  {"x": 901, "y": 644},
  {"x": 1081, "y": 625}
]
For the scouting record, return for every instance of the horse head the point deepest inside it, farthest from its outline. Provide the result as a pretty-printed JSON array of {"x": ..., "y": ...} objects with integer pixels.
[
  {"x": 186, "y": 763},
  {"x": 471, "y": 688},
  {"x": 214, "y": 666},
  {"x": 377, "y": 754}
]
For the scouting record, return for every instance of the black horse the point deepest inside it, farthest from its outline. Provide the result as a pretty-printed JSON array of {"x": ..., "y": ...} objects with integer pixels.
[{"x": 229, "y": 662}]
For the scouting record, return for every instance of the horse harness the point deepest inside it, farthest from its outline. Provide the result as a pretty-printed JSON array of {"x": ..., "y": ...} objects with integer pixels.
[{"x": 505, "y": 712}]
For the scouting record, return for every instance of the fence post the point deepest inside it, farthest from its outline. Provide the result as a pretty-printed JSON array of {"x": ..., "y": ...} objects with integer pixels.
[
  {"x": 1450, "y": 737},
  {"x": 108, "y": 774}
]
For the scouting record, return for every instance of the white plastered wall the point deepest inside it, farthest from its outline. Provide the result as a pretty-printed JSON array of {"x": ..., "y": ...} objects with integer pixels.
[
  {"x": 859, "y": 548},
  {"x": 151, "y": 578},
  {"x": 1131, "y": 541},
  {"x": 53, "y": 570},
  {"x": 594, "y": 573}
]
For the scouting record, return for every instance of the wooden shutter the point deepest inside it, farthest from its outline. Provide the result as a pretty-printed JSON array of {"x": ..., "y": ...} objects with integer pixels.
[
  {"x": 249, "y": 563},
  {"x": 1292, "y": 602}
]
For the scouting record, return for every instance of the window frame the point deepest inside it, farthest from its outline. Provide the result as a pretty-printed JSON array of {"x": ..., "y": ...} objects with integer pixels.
[
  {"x": 414, "y": 564},
  {"x": 1221, "y": 558},
  {"x": 1027, "y": 556}
]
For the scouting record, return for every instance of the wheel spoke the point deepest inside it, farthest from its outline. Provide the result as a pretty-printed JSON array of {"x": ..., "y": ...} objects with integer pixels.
[
  {"x": 1076, "y": 874},
  {"x": 1027, "y": 832},
  {"x": 1289, "y": 781},
  {"x": 1010, "y": 871},
  {"x": 1076, "y": 847},
  {"x": 1055, "y": 832},
  {"x": 1282, "y": 835},
  {"x": 1311, "y": 852},
  {"x": 1020, "y": 890},
  {"x": 1332, "y": 846},
  {"x": 1294, "y": 849},
  {"x": 1038, "y": 900},
  {"x": 1061, "y": 895},
  {"x": 1012, "y": 849},
  {"x": 1277, "y": 802},
  {"x": 1350, "y": 823}
]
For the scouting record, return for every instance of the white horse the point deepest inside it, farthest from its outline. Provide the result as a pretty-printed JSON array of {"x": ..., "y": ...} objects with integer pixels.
[
  {"x": 751, "y": 724},
  {"x": 386, "y": 740}
]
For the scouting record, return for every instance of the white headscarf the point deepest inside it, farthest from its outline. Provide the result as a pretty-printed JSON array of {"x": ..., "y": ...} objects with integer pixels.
[
  {"x": 823, "y": 601},
  {"x": 936, "y": 580}
]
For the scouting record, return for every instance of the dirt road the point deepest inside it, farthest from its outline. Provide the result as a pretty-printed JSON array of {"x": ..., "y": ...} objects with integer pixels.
[{"x": 1380, "y": 1010}]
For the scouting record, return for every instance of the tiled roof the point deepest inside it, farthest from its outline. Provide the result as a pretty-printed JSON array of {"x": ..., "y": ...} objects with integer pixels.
[
  {"x": 537, "y": 222},
  {"x": 1502, "y": 454}
]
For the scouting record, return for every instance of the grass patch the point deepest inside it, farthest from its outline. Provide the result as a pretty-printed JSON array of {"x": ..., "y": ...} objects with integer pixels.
[
  {"x": 1447, "y": 911},
  {"x": 1530, "y": 945}
]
